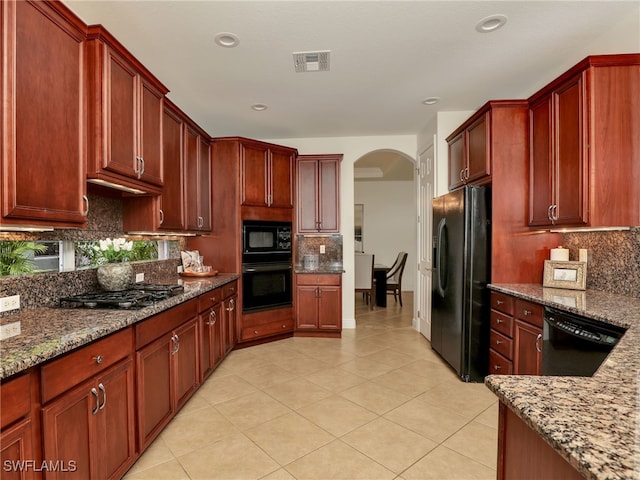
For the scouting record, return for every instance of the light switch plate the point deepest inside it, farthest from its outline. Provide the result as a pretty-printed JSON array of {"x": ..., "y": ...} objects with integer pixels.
[{"x": 322, "y": 249}]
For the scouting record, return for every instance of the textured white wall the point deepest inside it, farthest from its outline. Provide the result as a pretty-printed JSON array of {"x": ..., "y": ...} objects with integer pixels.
[{"x": 390, "y": 223}]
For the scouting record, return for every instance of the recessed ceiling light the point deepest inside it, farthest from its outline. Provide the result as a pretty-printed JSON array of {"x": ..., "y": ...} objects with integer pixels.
[
  {"x": 227, "y": 39},
  {"x": 491, "y": 23},
  {"x": 431, "y": 100},
  {"x": 258, "y": 107}
]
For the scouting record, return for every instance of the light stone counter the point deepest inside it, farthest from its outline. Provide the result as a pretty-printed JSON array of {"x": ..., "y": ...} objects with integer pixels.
[
  {"x": 593, "y": 422},
  {"x": 49, "y": 332}
]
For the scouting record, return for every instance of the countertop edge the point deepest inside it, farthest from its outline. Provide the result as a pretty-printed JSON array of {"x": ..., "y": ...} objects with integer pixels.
[{"x": 43, "y": 347}]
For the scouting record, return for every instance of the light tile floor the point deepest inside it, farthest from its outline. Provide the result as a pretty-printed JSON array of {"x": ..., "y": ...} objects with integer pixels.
[{"x": 376, "y": 404}]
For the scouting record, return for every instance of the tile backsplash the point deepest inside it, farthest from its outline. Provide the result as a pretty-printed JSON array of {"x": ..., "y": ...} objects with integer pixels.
[{"x": 613, "y": 261}]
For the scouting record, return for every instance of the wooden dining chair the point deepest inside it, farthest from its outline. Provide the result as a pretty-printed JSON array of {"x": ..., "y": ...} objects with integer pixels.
[
  {"x": 364, "y": 276},
  {"x": 394, "y": 277}
]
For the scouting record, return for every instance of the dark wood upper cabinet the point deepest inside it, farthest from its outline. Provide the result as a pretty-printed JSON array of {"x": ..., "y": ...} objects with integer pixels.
[
  {"x": 266, "y": 175},
  {"x": 198, "y": 178},
  {"x": 43, "y": 126},
  {"x": 125, "y": 116},
  {"x": 470, "y": 151},
  {"x": 584, "y": 132},
  {"x": 172, "y": 200},
  {"x": 318, "y": 193}
]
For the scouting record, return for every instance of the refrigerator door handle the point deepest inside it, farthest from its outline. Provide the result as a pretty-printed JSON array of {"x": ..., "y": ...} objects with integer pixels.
[{"x": 440, "y": 265}]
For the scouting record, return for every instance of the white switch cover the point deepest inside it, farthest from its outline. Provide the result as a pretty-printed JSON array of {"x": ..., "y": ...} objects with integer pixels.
[
  {"x": 322, "y": 249},
  {"x": 139, "y": 277},
  {"x": 9, "y": 330},
  {"x": 9, "y": 303}
]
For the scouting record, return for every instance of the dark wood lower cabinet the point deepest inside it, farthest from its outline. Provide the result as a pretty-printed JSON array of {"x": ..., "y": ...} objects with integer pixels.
[
  {"x": 319, "y": 304},
  {"x": 16, "y": 447},
  {"x": 524, "y": 455},
  {"x": 89, "y": 430},
  {"x": 527, "y": 348}
]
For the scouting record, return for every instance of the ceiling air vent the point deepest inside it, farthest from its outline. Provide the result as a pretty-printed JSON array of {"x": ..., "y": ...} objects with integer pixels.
[{"x": 311, "y": 61}]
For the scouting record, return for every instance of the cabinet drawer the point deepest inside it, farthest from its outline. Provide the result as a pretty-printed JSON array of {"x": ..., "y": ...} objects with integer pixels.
[
  {"x": 318, "y": 279},
  {"x": 529, "y": 312},
  {"x": 75, "y": 367},
  {"x": 501, "y": 344},
  {"x": 499, "y": 365},
  {"x": 502, "y": 323},
  {"x": 229, "y": 289},
  {"x": 15, "y": 399},
  {"x": 502, "y": 302},
  {"x": 272, "y": 328},
  {"x": 156, "y": 326},
  {"x": 209, "y": 299}
]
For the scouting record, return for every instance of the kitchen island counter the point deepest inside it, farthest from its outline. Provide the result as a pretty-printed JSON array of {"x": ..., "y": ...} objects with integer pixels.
[
  {"x": 47, "y": 333},
  {"x": 592, "y": 422}
]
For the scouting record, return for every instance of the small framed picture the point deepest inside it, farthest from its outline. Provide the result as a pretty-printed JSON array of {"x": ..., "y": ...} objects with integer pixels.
[{"x": 569, "y": 275}]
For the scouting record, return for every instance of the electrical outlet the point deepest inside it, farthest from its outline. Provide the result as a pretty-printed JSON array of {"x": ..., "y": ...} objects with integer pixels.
[
  {"x": 9, "y": 330},
  {"x": 322, "y": 249},
  {"x": 179, "y": 268},
  {"x": 9, "y": 303},
  {"x": 139, "y": 277}
]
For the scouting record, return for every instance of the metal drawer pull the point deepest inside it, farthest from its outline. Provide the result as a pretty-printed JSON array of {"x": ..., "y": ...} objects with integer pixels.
[
  {"x": 527, "y": 312},
  {"x": 497, "y": 367},
  {"x": 498, "y": 342},
  {"x": 499, "y": 302},
  {"x": 538, "y": 338},
  {"x": 255, "y": 332},
  {"x": 99, "y": 359},
  {"x": 104, "y": 396},
  {"x": 212, "y": 317},
  {"x": 499, "y": 320},
  {"x": 284, "y": 326},
  {"x": 94, "y": 392}
]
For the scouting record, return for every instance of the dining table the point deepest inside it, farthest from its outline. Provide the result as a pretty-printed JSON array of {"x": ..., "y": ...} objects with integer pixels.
[{"x": 380, "y": 277}]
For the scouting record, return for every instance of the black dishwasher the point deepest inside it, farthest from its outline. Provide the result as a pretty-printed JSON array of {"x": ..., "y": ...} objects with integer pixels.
[{"x": 573, "y": 345}]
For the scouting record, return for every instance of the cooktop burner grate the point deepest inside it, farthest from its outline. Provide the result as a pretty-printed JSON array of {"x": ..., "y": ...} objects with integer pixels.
[{"x": 138, "y": 296}]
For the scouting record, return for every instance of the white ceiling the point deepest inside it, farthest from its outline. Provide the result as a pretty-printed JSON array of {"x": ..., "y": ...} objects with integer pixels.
[{"x": 386, "y": 57}]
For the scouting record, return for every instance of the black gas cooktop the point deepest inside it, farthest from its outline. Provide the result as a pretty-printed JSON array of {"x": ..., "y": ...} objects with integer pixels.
[{"x": 137, "y": 296}]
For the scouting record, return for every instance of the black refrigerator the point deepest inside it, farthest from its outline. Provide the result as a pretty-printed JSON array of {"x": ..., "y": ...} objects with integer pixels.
[{"x": 462, "y": 269}]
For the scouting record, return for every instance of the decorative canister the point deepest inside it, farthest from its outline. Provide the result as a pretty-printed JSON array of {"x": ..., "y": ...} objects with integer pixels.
[
  {"x": 114, "y": 276},
  {"x": 311, "y": 262}
]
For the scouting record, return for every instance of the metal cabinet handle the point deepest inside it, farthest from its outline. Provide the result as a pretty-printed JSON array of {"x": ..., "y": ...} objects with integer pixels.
[
  {"x": 141, "y": 168},
  {"x": 462, "y": 175},
  {"x": 498, "y": 342},
  {"x": 99, "y": 359},
  {"x": 526, "y": 312},
  {"x": 200, "y": 222},
  {"x": 86, "y": 204},
  {"x": 538, "y": 338},
  {"x": 466, "y": 174},
  {"x": 499, "y": 320},
  {"x": 284, "y": 325},
  {"x": 104, "y": 396},
  {"x": 94, "y": 392},
  {"x": 161, "y": 217},
  {"x": 554, "y": 213},
  {"x": 232, "y": 305},
  {"x": 176, "y": 344},
  {"x": 497, "y": 367},
  {"x": 549, "y": 213},
  {"x": 499, "y": 302},
  {"x": 255, "y": 332},
  {"x": 212, "y": 318}
]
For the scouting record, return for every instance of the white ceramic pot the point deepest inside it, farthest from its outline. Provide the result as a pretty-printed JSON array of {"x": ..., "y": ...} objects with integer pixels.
[{"x": 114, "y": 276}]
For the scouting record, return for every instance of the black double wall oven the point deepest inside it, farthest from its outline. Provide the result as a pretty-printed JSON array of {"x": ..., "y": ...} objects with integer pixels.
[{"x": 266, "y": 265}]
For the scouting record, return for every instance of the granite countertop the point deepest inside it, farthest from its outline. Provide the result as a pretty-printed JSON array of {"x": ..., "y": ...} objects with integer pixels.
[
  {"x": 49, "y": 332},
  {"x": 593, "y": 422},
  {"x": 322, "y": 269}
]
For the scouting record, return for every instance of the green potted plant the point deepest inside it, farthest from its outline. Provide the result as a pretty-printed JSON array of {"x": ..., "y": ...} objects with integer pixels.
[
  {"x": 111, "y": 255},
  {"x": 17, "y": 257}
]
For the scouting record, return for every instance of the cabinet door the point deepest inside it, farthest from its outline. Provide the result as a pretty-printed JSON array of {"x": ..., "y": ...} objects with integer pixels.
[
  {"x": 478, "y": 146},
  {"x": 192, "y": 152},
  {"x": 154, "y": 388},
  {"x": 16, "y": 446},
  {"x": 204, "y": 185},
  {"x": 43, "y": 164},
  {"x": 254, "y": 160},
  {"x": 570, "y": 152},
  {"x": 172, "y": 200},
  {"x": 117, "y": 441},
  {"x": 456, "y": 161},
  {"x": 122, "y": 128},
  {"x": 149, "y": 145},
  {"x": 230, "y": 327},
  {"x": 330, "y": 308},
  {"x": 69, "y": 431},
  {"x": 281, "y": 181},
  {"x": 527, "y": 358},
  {"x": 307, "y": 306},
  {"x": 308, "y": 186},
  {"x": 210, "y": 340},
  {"x": 185, "y": 361},
  {"x": 540, "y": 163},
  {"x": 329, "y": 195}
]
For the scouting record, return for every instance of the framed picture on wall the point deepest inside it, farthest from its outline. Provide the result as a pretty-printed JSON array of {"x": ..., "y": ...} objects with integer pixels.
[{"x": 358, "y": 220}]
